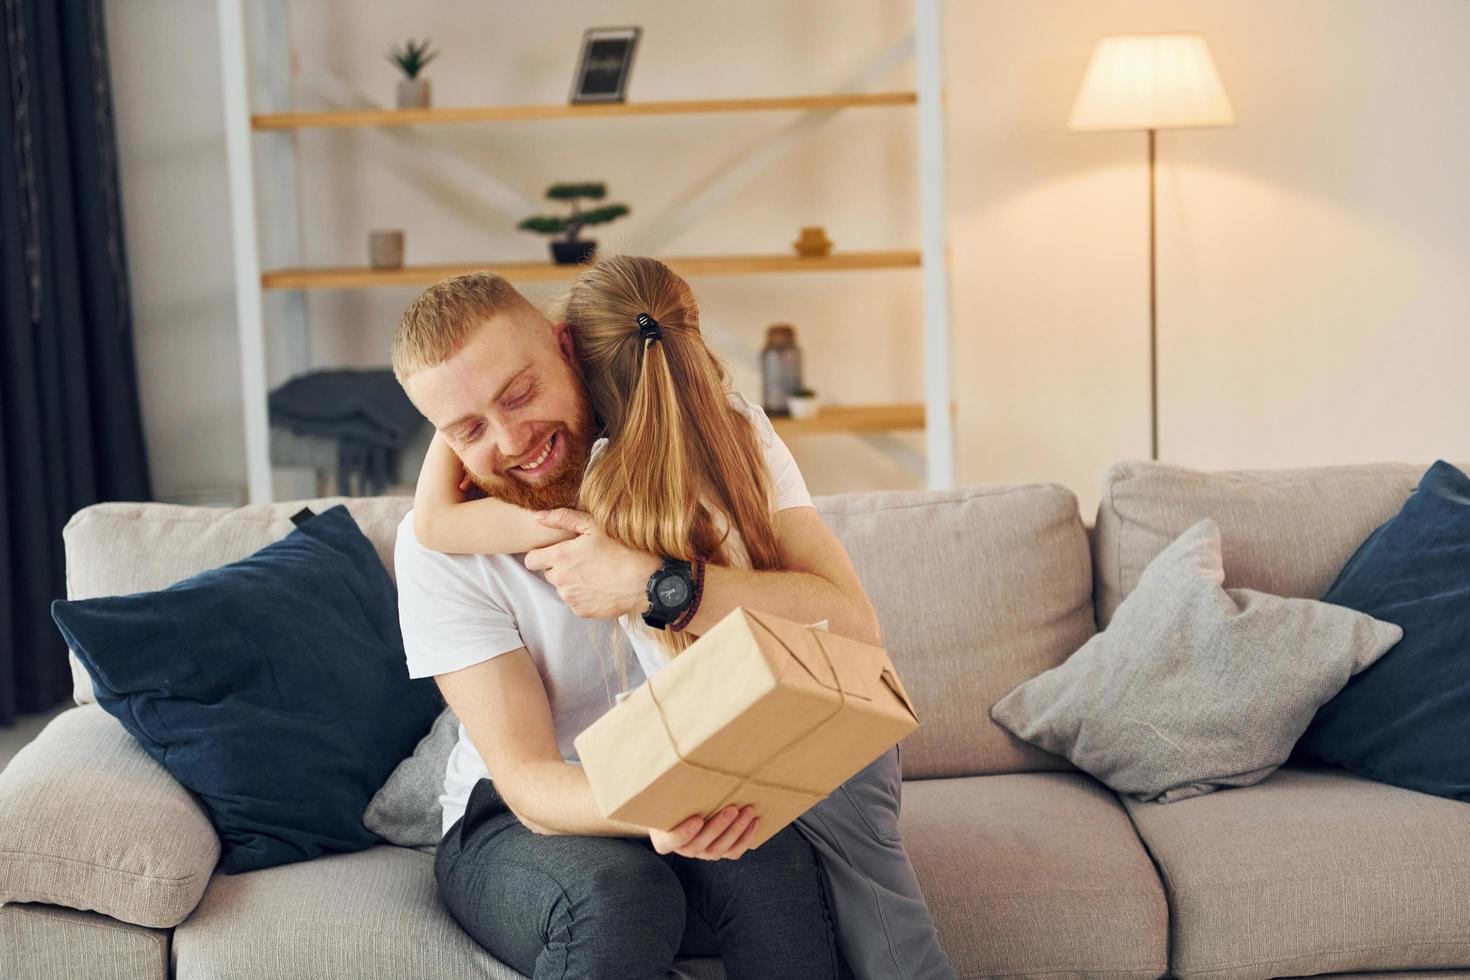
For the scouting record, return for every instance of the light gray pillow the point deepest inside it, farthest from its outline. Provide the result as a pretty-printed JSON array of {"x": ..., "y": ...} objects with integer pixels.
[
  {"x": 1194, "y": 686},
  {"x": 405, "y": 810}
]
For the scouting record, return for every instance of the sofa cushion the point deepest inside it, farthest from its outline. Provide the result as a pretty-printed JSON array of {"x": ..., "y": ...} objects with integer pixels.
[
  {"x": 406, "y": 809},
  {"x": 1311, "y": 871},
  {"x": 1284, "y": 531},
  {"x": 977, "y": 589},
  {"x": 274, "y": 687},
  {"x": 1406, "y": 719},
  {"x": 48, "y": 942},
  {"x": 90, "y": 821},
  {"x": 370, "y": 915},
  {"x": 120, "y": 548},
  {"x": 1036, "y": 874},
  {"x": 1193, "y": 687}
]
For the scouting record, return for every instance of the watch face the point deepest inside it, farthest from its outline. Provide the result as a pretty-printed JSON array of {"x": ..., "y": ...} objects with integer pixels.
[{"x": 672, "y": 591}]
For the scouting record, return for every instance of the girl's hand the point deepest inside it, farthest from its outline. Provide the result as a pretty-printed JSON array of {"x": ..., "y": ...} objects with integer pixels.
[{"x": 725, "y": 836}]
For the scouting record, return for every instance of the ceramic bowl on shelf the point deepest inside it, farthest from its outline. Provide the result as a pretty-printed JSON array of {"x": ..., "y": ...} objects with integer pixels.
[{"x": 813, "y": 242}]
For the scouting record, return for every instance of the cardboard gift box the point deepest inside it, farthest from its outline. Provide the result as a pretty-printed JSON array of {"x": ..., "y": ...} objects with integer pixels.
[{"x": 759, "y": 710}]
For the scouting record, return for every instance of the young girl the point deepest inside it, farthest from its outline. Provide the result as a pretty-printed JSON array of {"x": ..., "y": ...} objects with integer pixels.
[{"x": 682, "y": 470}]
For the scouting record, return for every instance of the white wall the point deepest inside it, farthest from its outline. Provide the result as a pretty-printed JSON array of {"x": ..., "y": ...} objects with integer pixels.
[
  {"x": 1310, "y": 311},
  {"x": 1313, "y": 306}
]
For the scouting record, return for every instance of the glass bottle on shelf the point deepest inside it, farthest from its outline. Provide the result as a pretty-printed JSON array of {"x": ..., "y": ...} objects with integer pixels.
[{"x": 780, "y": 369}]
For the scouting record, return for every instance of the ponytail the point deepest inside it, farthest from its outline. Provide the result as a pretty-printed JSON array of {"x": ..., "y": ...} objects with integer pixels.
[
  {"x": 683, "y": 467},
  {"x": 649, "y": 462}
]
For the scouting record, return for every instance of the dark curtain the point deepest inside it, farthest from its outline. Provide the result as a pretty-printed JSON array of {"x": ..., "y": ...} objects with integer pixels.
[{"x": 68, "y": 387}]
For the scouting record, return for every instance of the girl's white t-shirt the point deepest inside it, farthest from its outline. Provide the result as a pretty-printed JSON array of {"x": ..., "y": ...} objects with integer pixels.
[{"x": 457, "y": 610}]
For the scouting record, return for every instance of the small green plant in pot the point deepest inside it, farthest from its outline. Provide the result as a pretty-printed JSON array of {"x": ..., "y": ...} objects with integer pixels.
[
  {"x": 571, "y": 250},
  {"x": 412, "y": 58},
  {"x": 802, "y": 402}
]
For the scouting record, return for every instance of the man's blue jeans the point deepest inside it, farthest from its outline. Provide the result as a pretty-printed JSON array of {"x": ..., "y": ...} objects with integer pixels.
[{"x": 565, "y": 906}]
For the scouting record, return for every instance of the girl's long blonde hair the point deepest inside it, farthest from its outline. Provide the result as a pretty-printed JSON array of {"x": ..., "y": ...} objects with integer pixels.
[{"x": 678, "y": 452}]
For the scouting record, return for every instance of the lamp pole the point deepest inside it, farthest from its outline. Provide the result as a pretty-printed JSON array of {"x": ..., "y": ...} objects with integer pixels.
[
  {"x": 1151, "y": 82},
  {"x": 1153, "y": 307}
]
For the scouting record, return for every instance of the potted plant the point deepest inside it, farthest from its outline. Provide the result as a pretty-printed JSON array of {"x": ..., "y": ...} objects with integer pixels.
[
  {"x": 571, "y": 249},
  {"x": 412, "y": 58},
  {"x": 802, "y": 403}
]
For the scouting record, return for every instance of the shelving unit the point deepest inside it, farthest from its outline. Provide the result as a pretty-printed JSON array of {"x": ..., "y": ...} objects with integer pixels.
[
  {"x": 853, "y": 418},
  {"x": 505, "y": 113},
  {"x": 934, "y": 417},
  {"x": 698, "y": 265}
]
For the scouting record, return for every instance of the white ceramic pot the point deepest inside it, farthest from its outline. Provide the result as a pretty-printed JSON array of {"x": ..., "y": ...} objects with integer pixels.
[{"x": 802, "y": 406}]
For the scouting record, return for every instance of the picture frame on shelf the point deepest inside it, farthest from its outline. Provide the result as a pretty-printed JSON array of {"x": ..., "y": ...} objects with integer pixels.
[{"x": 605, "y": 64}]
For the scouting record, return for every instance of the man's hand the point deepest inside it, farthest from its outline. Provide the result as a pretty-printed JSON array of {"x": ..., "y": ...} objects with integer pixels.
[
  {"x": 597, "y": 577},
  {"x": 724, "y": 837}
]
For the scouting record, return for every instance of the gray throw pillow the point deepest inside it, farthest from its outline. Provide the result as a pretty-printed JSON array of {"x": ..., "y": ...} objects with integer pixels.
[
  {"x": 1194, "y": 686},
  {"x": 406, "y": 810}
]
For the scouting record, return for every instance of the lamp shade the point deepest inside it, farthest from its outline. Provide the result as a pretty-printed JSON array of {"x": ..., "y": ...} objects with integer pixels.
[{"x": 1151, "y": 81}]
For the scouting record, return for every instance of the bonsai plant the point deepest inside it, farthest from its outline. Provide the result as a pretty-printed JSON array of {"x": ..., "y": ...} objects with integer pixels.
[
  {"x": 412, "y": 58},
  {"x": 571, "y": 249}
]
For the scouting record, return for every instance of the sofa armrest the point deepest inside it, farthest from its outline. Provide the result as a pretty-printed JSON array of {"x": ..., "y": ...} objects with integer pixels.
[
  {"x": 90, "y": 821},
  {"x": 48, "y": 942}
]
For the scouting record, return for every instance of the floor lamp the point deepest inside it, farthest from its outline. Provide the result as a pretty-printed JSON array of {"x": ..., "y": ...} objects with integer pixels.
[{"x": 1151, "y": 82}]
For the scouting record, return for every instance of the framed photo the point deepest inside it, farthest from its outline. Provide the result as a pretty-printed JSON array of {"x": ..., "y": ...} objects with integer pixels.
[{"x": 607, "y": 60}]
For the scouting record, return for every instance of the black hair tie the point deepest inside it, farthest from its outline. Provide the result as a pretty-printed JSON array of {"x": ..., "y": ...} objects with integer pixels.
[{"x": 648, "y": 328}]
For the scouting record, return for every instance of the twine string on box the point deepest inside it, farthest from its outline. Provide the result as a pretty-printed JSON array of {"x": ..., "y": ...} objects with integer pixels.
[{"x": 749, "y": 780}]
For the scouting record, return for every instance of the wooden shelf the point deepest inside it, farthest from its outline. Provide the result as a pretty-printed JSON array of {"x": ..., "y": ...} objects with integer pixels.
[
  {"x": 699, "y": 265},
  {"x": 853, "y": 418},
  {"x": 510, "y": 113}
]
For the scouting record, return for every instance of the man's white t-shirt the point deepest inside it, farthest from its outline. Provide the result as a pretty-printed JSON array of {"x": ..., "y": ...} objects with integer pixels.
[{"x": 458, "y": 610}]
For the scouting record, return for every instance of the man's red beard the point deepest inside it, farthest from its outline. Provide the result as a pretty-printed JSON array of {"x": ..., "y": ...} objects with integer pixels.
[{"x": 561, "y": 488}]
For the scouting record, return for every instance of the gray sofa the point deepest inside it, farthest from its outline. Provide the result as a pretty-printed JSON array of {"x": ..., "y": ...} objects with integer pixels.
[{"x": 1031, "y": 867}]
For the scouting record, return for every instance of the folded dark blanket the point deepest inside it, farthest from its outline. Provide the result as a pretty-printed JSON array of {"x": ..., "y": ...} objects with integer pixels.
[{"x": 364, "y": 409}]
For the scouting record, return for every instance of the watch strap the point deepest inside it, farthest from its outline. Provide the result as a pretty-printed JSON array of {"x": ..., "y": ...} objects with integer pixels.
[{"x": 688, "y": 614}]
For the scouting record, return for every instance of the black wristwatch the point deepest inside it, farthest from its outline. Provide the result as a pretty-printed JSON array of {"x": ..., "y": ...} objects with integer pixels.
[{"x": 670, "y": 592}]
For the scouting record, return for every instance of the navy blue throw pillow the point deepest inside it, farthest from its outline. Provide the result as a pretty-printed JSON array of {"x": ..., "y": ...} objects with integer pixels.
[
  {"x": 1405, "y": 720},
  {"x": 275, "y": 688}
]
